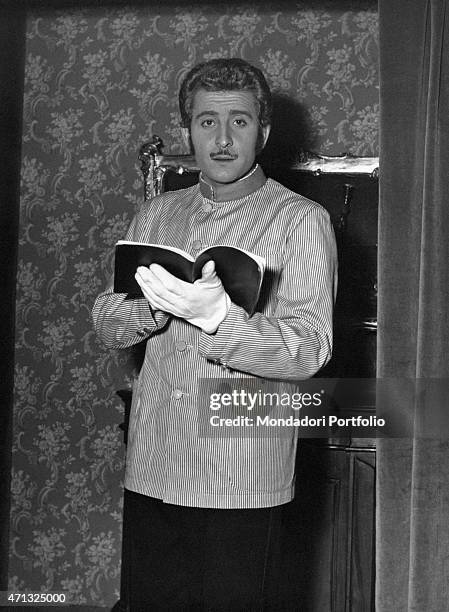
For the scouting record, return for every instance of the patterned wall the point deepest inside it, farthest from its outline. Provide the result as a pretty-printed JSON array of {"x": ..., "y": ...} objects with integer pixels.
[{"x": 97, "y": 86}]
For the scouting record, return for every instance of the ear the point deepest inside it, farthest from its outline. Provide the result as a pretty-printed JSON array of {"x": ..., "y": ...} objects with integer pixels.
[
  {"x": 185, "y": 133},
  {"x": 265, "y": 133}
]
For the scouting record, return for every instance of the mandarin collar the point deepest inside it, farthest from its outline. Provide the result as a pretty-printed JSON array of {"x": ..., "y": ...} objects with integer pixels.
[{"x": 233, "y": 191}]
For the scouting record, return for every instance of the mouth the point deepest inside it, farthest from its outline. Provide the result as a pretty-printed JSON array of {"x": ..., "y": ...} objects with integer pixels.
[{"x": 223, "y": 156}]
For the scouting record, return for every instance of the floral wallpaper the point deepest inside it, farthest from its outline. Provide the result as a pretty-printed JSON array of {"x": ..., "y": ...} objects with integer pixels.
[{"x": 98, "y": 84}]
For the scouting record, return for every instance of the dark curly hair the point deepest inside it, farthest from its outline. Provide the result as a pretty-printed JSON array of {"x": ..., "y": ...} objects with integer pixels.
[{"x": 225, "y": 74}]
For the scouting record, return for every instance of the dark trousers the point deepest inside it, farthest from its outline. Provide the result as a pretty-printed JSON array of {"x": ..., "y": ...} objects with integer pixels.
[{"x": 202, "y": 559}]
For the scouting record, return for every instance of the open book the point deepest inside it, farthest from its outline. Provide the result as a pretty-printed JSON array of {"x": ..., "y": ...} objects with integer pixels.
[{"x": 240, "y": 272}]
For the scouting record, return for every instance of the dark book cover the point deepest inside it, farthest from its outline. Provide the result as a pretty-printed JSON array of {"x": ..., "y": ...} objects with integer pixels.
[{"x": 240, "y": 272}]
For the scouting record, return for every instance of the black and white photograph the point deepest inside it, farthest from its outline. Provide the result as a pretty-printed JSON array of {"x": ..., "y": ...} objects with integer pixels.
[{"x": 225, "y": 287}]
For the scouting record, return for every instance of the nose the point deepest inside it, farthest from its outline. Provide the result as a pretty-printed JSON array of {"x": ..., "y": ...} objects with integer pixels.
[{"x": 223, "y": 137}]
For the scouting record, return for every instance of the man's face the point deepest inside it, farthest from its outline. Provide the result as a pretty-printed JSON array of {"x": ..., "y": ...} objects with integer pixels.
[{"x": 224, "y": 133}]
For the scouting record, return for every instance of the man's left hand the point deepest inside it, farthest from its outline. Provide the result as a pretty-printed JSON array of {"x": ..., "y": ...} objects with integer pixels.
[{"x": 203, "y": 303}]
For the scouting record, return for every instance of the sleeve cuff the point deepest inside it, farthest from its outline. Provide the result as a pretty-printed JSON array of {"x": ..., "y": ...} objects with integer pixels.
[
  {"x": 150, "y": 319},
  {"x": 213, "y": 346}
]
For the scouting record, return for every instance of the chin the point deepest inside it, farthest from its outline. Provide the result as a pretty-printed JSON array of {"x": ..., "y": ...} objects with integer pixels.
[{"x": 227, "y": 177}]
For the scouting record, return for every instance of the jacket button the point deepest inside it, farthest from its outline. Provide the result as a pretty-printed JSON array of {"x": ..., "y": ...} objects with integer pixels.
[
  {"x": 181, "y": 345},
  {"x": 197, "y": 245},
  {"x": 177, "y": 394}
]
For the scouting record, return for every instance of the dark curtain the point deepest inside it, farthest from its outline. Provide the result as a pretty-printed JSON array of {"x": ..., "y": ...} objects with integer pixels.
[
  {"x": 12, "y": 54},
  {"x": 413, "y": 469}
]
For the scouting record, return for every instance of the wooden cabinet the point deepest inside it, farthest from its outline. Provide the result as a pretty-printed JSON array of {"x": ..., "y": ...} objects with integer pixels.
[
  {"x": 331, "y": 525},
  {"x": 333, "y": 515}
]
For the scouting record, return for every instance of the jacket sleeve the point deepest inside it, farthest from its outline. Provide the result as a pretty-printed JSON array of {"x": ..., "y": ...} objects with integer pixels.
[
  {"x": 294, "y": 340},
  {"x": 121, "y": 322}
]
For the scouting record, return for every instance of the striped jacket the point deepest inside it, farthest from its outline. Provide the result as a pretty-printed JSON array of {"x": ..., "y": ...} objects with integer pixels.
[{"x": 172, "y": 453}]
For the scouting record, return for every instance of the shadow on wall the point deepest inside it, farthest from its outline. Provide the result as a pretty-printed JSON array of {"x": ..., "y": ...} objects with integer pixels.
[{"x": 292, "y": 131}]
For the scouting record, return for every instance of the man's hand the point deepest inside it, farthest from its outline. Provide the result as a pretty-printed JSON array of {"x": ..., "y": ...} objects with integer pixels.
[{"x": 204, "y": 303}]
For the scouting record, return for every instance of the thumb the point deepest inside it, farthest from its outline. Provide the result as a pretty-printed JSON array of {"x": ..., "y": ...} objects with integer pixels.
[{"x": 208, "y": 270}]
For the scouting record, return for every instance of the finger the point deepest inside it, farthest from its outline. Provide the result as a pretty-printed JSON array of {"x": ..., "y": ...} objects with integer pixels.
[
  {"x": 143, "y": 272},
  {"x": 143, "y": 277},
  {"x": 208, "y": 269},
  {"x": 158, "y": 302},
  {"x": 171, "y": 283},
  {"x": 146, "y": 277},
  {"x": 150, "y": 289},
  {"x": 208, "y": 273},
  {"x": 145, "y": 286},
  {"x": 209, "y": 278},
  {"x": 160, "y": 298}
]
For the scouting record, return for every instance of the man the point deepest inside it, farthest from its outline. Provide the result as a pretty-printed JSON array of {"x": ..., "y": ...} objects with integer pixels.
[{"x": 204, "y": 515}]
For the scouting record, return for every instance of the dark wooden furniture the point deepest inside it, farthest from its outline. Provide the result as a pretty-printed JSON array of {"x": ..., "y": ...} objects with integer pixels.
[
  {"x": 331, "y": 521},
  {"x": 335, "y": 498}
]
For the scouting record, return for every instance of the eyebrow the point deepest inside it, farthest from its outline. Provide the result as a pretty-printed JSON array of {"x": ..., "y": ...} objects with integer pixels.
[{"x": 215, "y": 113}]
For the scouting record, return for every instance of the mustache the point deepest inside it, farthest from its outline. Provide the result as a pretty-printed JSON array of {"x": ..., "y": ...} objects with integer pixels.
[{"x": 223, "y": 153}]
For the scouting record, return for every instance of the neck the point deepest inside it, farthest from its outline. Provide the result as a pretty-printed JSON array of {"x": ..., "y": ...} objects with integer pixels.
[{"x": 222, "y": 192}]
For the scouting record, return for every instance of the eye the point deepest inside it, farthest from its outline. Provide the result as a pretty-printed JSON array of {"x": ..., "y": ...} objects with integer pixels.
[
  {"x": 240, "y": 122},
  {"x": 207, "y": 123}
]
